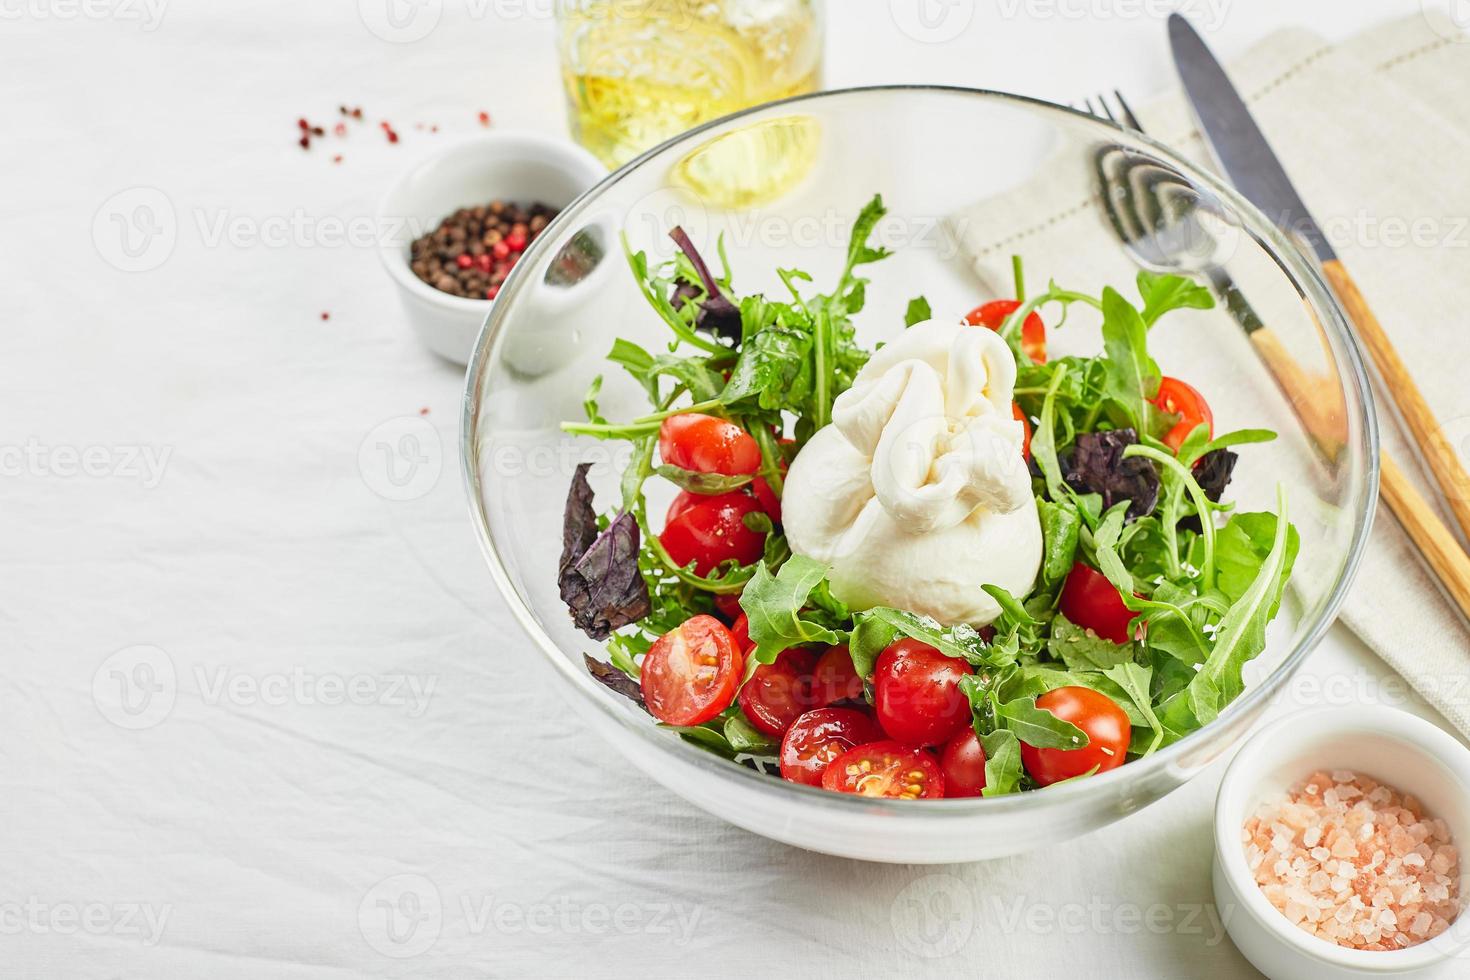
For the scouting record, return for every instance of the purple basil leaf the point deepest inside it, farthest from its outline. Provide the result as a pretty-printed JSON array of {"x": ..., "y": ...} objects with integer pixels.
[
  {"x": 717, "y": 314},
  {"x": 616, "y": 680},
  {"x": 1212, "y": 472},
  {"x": 598, "y": 575},
  {"x": 1096, "y": 465}
]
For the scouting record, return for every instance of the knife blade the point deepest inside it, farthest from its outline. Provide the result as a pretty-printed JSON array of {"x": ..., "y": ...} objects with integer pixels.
[{"x": 1236, "y": 141}]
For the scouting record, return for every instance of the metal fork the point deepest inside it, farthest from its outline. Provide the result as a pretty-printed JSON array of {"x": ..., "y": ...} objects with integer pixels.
[{"x": 1162, "y": 238}]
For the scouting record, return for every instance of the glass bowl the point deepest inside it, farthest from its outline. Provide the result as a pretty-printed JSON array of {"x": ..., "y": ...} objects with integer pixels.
[{"x": 934, "y": 153}]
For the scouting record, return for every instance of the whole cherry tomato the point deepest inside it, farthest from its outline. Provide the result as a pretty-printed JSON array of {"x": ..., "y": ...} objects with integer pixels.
[
  {"x": 1099, "y": 717},
  {"x": 1033, "y": 331},
  {"x": 886, "y": 769},
  {"x": 710, "y": 529},
  {"x": 690, "y": 673},
  {"x": 705, "y": 444},
  {"x": 1025, "y": 430},
  {"x": 835, "y": 679},
  {"x": 916, "y": 693},
  {"x": 818, "y": 737},
  {"x": 778, "y": 693},
  {"x": 963, "y": 764},
  {"x": 1178, "y": 398},
  {"x": 1091, "y": 601}
]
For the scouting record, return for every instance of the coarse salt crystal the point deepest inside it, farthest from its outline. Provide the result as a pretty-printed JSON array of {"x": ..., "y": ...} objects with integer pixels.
[{"x": 1354, "y": 862}]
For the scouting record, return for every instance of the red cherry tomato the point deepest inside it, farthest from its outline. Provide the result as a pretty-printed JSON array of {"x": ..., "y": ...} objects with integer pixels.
[
  {"x": 705, "y": 444},
  {"x": 710, "y": 529},
  {"x": 729, "y": 606},
  {"x": 963, "y": 765},
  {"x": 741, "y": 633},
  {"x": 690, "y": 673},
  {"x": 778, "y": 693},
  {"x": 1025, "y": 429},
  {"x": 770, "y": 503},
  {"x": 1091, "y": 601},
  {"x": 1033, "y": 331},
  {"x": 818, "y": 737},
  {"x": 835, "y": 679},
  {"x": 885, "y": 769},
  {"x": 1096, "y": 714},
  {"x": 1178, "y": 398},
  {"x": 916, "y": 692}
]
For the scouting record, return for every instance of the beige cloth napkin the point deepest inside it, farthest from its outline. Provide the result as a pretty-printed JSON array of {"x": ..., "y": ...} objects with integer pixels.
[{"x": 1376, "y": 134}]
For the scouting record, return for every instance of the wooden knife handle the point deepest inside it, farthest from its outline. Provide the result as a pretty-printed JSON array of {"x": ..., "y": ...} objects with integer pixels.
[
  {"x": 1319, "y": 405},
  {"x": 1444, "y": 463},
  {"x": 1443, "y": 553}
]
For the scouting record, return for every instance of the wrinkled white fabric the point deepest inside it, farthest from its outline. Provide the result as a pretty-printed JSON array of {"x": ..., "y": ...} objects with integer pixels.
[{"x": 917, "y": 493}]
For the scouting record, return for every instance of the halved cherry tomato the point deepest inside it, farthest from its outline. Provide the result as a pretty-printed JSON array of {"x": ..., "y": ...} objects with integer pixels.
[
  {"x": 886, "y": 769},
  {"x": 741, "y": 632},
  {"x": 1178, "y": 398},
  {"x": 1033, "y": 331},
  {"x": 916, "y": 693},
  {"x": 1099, "y": 716},
  {"x": 963, "y": 764},
  {"x": 818, "y": 737},
  {"x": 1091, "y": 601},
  {"x": 710, "y": 529},
  {"x": 778, "y": 693},
  {"x": 690, "y": 673},
  {"x": 835, "y": 679},
  {"x": 705, "y": 444},
  {"x": 729, "y": 606},
  {"x": 1025, "y": 429}
]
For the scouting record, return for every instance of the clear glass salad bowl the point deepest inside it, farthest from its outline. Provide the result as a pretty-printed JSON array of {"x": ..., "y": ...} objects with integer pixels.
[{"x": 1050, "y": 176}]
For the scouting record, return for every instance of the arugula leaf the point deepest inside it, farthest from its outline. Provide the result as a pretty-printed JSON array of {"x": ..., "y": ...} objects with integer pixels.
[
  {"x": 704, "y": 483},
  {"x": 1133, "y": 377},
  {"x": 774, "y": 604},
  {"x": 1081, "y": 649},
  {"x": 918, "y": 311},
  {"x": 1135, "y": 681},
  {"x": 1240, "y": 637},
  {"x": 744, "y": 738},
  {"x": 1162, "y": 293},
  {"x": 1060, "y": 527},
  {"x": 1002, "y": 763},
  {"x": 705, "y": 738},
  {"x": 1242, "y": 546},
  {"x": 871, "y": 635},
  {"x": 953, "y": 641},
  {"x": 1038, "y": 727}
]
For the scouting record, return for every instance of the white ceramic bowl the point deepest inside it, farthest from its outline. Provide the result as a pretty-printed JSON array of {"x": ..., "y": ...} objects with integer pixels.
[
  {"x": 521, "y": 167},
  {"x": 1394, "y": 747}
]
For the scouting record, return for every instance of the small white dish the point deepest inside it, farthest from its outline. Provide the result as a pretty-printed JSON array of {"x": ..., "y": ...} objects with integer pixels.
[
  {"x": 521, "y": 167},
  {"x": 1394, "y": 747}
]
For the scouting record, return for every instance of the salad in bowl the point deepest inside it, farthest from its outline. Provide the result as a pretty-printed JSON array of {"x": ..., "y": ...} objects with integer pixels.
[{"x": 947, "y": 566}]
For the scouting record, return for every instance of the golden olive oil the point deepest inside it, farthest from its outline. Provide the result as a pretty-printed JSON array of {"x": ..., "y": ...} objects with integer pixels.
[{"x": 638, "y": 72}]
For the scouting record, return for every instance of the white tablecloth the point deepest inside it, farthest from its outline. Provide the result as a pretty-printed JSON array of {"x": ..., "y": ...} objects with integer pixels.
[{"x": 259, "y": 718}]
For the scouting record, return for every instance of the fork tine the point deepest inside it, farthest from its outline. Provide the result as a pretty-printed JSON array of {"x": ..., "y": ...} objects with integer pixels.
[
  {"x": 1129, "y": 119},
  {"x": 1106, "y": 109}
]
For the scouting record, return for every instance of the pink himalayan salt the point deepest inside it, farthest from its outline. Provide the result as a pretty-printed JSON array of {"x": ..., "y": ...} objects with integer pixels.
[{"x": 1355, "y": 862}]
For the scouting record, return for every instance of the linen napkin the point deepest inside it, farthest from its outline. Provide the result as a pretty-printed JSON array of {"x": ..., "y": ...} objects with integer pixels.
[{"x": 1375, "y": 132}]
